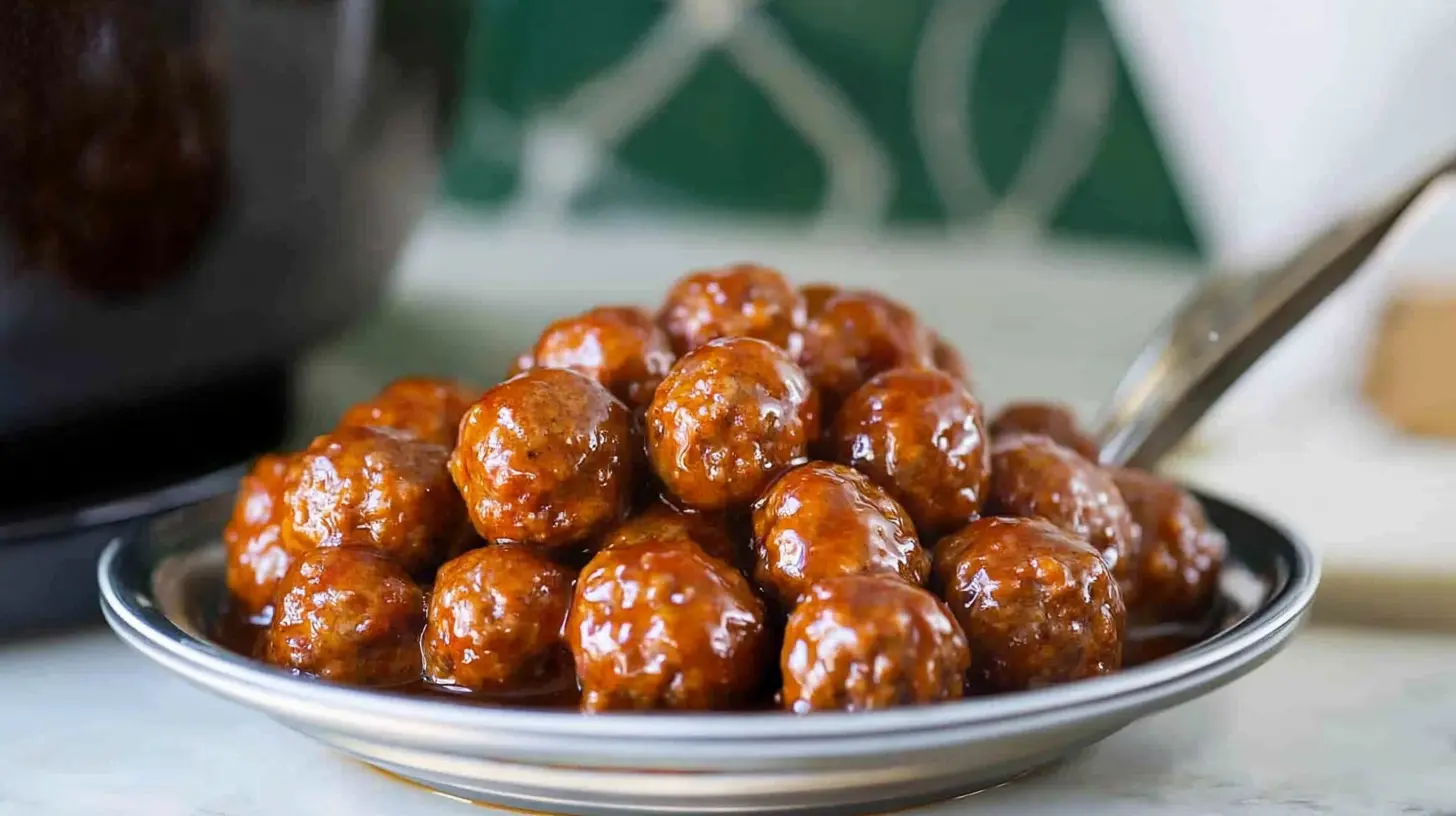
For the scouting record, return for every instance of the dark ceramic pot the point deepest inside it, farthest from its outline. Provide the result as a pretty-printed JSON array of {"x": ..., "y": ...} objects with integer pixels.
[{"x": 192, "y": 193}]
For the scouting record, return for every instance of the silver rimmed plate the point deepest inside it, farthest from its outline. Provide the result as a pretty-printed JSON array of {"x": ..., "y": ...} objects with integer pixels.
[{"x": 161, "y": 588}]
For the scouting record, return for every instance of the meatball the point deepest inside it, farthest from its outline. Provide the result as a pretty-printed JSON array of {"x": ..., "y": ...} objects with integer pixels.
[
  {"x": 1048, "y": 419},
  {"x": 495, "y": 617},
  {"x": 1034, "y": 477},
  {"x": 350, "y": 615},
  {"x": 426, "y": 408},
  {"x": 619, "y": 347},
  {"x": 1037, "y": 605},
  {"x": 659, "y": 624},
  {"x": 729, "y": 418},
  {"x": 864, "y": 642},
  {"x": 257, "y": 554},
  {"x": 918, "y": 434},
  {"x": 948, "y": 358},
  {"x": 743, "y": 300},
  {"x": 816, "y": 295},
  {"x": 375, "y": 488},
  {"x": 857, "y": 335},
  {"x": 823, "y": 520},
  {"x": 1178, "y": 554},
  {"x": 661, "y": 521},
  {"x": 545, "y": 458}
]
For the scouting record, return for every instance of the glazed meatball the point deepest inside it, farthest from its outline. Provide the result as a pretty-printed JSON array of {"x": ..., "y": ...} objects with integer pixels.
[
  {"x": 619, "y": 347},
  {"x": 427, "y": 408},
  {"x": 1034, "y": 477},
  {"x": 1178, "y": 555},
  {"x": 815, "y": 296},
  {"x": 257, "y": 555},
  {"x": 865, "y": 642},
  {"x": 349, "y": 615},
  {"x": 660, "y": 624},
  {"x": 546, "y": 458},
  {"x": 1048, "y": 419},
  {"x": 744, "y": 300},
  {"x": 495, "y": 618},
  {"x": 375, "y": 488},
  {"x": 857, "y": 335},
  {"x": 729, "y": 418},
  {"x": 918, "y": 434},
  {"x": 823, "y": 520},
  {"x": 948, "y": 358},
  {"x": 1037, "y": 605},
  {"x": 661, "y": 521}
]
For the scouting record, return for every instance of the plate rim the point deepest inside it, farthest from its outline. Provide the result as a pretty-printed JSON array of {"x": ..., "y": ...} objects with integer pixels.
[{"x": 131, "y": 611}]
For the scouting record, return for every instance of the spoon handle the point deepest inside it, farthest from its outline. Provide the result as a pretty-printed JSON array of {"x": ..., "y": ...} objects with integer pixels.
[{"x": 1226, "y": 326}]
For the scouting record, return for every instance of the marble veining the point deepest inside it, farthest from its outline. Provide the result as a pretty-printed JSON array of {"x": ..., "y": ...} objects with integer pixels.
[{"x": 1343, "y": 722}]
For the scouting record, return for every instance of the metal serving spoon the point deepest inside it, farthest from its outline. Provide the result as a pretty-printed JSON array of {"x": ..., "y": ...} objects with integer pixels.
[{"x": 1227, "y": 325}]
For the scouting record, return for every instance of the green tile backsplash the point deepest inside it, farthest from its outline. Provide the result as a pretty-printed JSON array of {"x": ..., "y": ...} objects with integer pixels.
[{"x": 902, "y": 111}]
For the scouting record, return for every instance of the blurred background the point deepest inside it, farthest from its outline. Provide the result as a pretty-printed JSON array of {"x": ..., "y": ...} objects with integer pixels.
[{"x": 251, "y": 213}]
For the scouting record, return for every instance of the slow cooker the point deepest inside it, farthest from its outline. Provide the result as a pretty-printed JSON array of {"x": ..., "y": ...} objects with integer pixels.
[{"x": 192, "y": 193}]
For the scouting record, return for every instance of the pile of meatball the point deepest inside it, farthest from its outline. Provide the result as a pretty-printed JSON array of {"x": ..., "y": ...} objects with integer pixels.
[{"x": 760, "y": 495}]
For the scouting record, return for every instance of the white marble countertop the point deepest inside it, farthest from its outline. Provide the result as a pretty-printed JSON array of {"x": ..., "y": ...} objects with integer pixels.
[{"x": 1343, "y": 722}]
